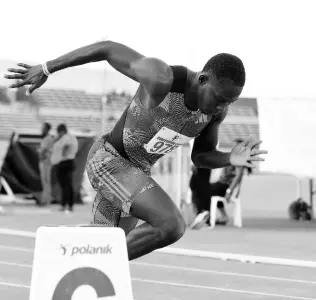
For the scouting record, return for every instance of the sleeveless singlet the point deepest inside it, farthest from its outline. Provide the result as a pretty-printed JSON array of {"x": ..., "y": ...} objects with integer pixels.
[{"x": 143, "y": 136}]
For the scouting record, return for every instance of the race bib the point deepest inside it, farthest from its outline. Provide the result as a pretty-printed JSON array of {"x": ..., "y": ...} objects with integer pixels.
[{"x": 165, "y": 141}]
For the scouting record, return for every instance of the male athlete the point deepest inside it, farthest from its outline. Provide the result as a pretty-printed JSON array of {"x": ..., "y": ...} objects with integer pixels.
[{"x": 171, "y": 106}]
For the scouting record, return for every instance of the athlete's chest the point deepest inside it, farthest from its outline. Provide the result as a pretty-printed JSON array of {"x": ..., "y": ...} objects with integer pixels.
[
  {"x": 167, "y": 126},
  {"x": 170, "y": 113}
]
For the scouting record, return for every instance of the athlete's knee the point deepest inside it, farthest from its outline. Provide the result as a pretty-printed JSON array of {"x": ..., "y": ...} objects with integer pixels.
[{"x": 172, "y": 229}]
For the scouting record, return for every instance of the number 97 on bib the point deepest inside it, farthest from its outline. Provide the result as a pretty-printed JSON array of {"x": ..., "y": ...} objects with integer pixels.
[{"x": 165, "y": 141}]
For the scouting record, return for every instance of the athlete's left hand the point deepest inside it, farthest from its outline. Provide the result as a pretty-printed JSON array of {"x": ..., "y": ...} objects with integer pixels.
[{"x": 245, "y": 153}]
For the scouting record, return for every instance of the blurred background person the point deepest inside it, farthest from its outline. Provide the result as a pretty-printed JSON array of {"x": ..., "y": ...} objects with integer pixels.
[
  {"x": 230, "y": 178},
  {"x": 199, "y": 183},
  {"x": 63, "y": 158},
  {"x": 45, "y": 166}
]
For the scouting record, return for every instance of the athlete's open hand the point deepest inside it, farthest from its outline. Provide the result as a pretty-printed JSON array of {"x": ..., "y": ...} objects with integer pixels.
[
  {"x": 27, "y": 75},
  {"x": 246, "y": 152}
]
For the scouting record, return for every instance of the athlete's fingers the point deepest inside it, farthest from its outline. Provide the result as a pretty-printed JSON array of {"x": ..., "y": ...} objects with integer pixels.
[
  {"x": 249, "y": 165},
  {"x": 254, "y": 143},
  {"x": 26, "y": 66},
  {"x": 20, "y": 71},
  {"x": 256, "y": 158},
  {"x": 14, "y": 76},
  {"x": 246, "y": 141},
  {"x": 258, "y": 152},
  {"x": 31, "y": 89},
  {"x": 18, "y": 84}
]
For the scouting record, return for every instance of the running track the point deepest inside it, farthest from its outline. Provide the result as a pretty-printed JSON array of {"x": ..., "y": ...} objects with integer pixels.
[{"x": 161, "y": 276}]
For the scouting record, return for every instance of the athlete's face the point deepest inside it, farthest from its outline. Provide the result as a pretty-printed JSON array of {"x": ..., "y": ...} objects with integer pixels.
[{"x": 215, "y": 94}]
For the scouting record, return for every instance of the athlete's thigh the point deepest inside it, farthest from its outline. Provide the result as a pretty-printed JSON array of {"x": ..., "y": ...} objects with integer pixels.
[
  {"x": 116, "y": 178},
  {"x": 155, "y": 207},
  {"x": 117, "y": 182},
  {"x": 133, "y": 191},
  {"x": 107, "y": 215}
]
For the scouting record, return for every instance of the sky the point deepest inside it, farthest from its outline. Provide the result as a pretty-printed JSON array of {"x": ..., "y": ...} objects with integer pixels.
[{"x": 275, "y": 39}]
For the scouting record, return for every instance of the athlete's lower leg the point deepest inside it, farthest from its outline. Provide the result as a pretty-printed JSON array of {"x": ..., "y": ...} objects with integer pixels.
[
  {"x": 146, "y": 238},
  {"x": 164, "y": 223}
]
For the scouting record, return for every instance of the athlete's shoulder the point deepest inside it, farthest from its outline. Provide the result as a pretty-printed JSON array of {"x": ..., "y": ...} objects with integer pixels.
[{"x": 180, "y": 74}]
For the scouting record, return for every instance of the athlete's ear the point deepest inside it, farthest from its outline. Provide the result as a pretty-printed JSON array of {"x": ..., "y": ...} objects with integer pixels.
[{"x": 202, "y": 78}]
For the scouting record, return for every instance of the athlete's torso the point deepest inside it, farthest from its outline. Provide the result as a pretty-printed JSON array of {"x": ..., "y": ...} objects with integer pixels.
[
  {"x": 142, "y": 125},
  {"x": 148, "y": 134}
]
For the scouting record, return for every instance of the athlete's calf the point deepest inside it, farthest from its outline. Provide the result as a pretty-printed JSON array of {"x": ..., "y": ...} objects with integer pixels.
[{"x": 164, "y": 223}]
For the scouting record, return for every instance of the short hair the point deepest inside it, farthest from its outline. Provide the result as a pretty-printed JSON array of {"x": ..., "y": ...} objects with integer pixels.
[
  {"x": 62, "y": 128},
  {"x": 224, "y": 65},
  {"x": 48, "y": 126}
]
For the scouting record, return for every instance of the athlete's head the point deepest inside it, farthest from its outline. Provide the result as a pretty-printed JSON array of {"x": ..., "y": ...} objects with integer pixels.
[
  {"x": 61, "y": 130},
  {"x": 46, "y": 128},
  {"x": 220, "y": 83}
]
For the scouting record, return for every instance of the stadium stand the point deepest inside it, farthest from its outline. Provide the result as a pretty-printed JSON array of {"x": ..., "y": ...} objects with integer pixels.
[
  {"x": 244, "y": 107},
  {"x": 25, "y": 122},
  {"x": 68, "y": 99},
  {"x": 242, "y": 111},
  {"x": 78, "y": 123},
  {"x": 71, "y": 99},
  {"x": 241, "y": 121},
  {"x": 85, "y": 112},
  {"x": 4, "y": 99}
]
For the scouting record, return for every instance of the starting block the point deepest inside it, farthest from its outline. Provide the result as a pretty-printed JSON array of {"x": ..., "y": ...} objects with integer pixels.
[{"x": 80, "y": 263}]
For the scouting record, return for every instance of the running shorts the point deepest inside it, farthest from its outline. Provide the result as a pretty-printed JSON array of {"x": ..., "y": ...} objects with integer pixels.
[{"x": 117, "y": 182}]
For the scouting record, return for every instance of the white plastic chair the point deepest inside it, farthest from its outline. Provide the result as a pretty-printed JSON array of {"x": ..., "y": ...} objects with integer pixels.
[{"x": 235, "y": 200}]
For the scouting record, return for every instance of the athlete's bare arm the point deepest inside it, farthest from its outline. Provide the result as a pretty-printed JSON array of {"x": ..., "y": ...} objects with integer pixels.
[
  {"x": 204, "y": 153},
  {"x": 155, "y": 75}
]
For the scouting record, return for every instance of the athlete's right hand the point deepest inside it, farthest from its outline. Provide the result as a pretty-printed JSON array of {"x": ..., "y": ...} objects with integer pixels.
[
  {"x": 245, "y": 153},
  {"x": 27, "y": 75}
]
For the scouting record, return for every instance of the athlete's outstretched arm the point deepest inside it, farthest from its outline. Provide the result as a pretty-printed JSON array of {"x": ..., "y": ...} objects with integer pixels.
[
  {"x": 155, "y": 75},
  {"x": 206, "y": 155}
]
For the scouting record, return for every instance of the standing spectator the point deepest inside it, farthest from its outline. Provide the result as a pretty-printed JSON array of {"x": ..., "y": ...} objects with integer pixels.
[
  {"x": 63, "y": 158},
  {"x": 45, "y": 166}
]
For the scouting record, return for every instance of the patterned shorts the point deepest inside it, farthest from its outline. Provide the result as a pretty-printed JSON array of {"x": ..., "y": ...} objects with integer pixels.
[{"x": 117, "y": 182}]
